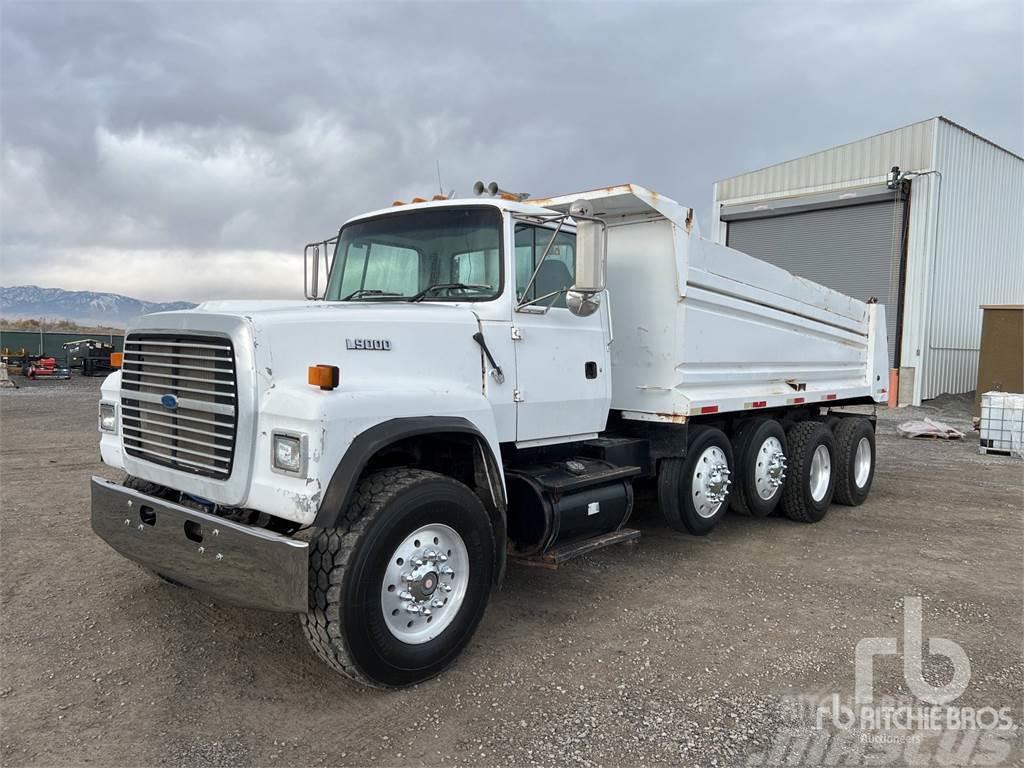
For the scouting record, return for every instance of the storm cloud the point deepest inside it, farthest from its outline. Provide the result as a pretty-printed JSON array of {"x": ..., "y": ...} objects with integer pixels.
[{"x": 189, "y": 150}]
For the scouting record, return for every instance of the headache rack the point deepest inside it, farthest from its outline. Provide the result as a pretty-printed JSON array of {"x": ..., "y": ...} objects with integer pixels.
[{"x": 179, "y": 401}]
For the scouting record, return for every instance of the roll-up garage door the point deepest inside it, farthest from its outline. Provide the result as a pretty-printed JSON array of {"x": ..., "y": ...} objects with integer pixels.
[{"x": 853, "y": 249}]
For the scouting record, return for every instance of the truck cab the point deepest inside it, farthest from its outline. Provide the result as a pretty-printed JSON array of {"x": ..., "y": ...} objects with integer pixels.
[
  {"x": 509, "y": 267},
  {"x": 450, "y": 393}
]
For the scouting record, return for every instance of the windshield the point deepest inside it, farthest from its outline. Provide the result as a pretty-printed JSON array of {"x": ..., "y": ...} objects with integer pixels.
[{"x": 437, "y": 254}]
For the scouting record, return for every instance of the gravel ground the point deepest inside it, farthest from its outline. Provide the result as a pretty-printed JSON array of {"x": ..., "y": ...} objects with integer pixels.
[{"x": 676, "y": 650}]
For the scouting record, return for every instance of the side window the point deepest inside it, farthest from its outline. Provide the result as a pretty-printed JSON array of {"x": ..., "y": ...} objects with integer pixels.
[
  {"x": 524, "y": 258},
  {"x": 558, "y": 272}
]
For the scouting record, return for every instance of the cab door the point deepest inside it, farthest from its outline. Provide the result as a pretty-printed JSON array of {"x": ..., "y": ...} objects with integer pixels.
[{"x": 563, "y": 371}]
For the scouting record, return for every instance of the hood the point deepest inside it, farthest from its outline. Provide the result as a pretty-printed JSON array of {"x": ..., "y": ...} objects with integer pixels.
[{"x": 376, "y": 345}]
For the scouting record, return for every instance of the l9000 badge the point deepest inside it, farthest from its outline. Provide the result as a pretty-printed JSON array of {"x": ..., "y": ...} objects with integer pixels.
[{"x": 381, "y": 345}]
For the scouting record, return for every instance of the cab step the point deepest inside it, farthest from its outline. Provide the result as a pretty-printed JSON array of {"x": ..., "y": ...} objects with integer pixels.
[{"x": 562, "y": 553}]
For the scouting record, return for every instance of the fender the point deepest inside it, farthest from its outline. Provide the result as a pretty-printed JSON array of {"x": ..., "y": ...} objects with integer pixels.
[{"x": 367, "y": 443}]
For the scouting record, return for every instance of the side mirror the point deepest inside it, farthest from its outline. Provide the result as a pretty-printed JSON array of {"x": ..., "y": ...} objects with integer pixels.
[
  {"x": 591, "y": 260},
  {"x": 310, "y": 282},
  {"x": 582, "y": 304},
  {"x": 311, "y": 278}
]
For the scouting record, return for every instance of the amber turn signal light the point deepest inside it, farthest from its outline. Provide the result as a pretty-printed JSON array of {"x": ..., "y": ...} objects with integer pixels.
[
  {"x": 324, "y": 376},
  {"x": 116, "y": 359}
]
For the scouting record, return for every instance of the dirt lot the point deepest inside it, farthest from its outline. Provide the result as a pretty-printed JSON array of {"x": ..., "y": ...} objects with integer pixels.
[{"x": 676, "y": 650}]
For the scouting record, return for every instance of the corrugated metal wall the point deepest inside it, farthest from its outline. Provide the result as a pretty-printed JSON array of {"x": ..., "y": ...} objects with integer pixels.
[
  {"x": 980, "y": 257},
  {"x": 980, "y": 234},
  {"x": 859, "y": 162},
  {"x": 51, "y": 344}
]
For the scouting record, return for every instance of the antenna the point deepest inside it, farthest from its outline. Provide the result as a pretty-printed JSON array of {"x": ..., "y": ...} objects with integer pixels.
[{"x": 440, "y": 187}]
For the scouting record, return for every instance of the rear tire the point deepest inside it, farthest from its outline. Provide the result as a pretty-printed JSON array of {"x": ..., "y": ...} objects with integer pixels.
[
  {"x": 855, "y": 460},
  {"x": 693, "y": 492},
  {"x": 811, "y": 477},
  {"x": 760, "y": 452},
  {"x": 358, "y": 621}
]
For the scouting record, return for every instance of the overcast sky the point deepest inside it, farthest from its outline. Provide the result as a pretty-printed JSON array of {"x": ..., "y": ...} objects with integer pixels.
[{"x": 189, "y": 150}]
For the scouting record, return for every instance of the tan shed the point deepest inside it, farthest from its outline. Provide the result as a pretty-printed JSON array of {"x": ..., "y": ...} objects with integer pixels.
[{"x": 1001, "y": 365}]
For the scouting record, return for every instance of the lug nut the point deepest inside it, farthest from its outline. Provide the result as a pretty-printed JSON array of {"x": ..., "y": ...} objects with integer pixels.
[
  {"x": 405, "y": 595},
  {"x": 436, "y": 603},
  {"x": 412, "y": 608},
  {"x": 443, "y": 558}
]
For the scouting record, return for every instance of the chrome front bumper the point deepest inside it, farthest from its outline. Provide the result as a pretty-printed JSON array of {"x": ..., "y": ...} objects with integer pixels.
[{"x": 235, "y": 563}]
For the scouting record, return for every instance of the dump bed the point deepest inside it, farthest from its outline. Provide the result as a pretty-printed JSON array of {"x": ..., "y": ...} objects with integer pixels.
[{"x": 701, "y": 328}]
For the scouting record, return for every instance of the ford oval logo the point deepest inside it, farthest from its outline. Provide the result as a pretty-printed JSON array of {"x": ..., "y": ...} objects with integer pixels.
[{"x": 169, "y": 401}]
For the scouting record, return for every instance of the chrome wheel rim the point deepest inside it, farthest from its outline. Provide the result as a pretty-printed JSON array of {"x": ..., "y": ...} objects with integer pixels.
[
  {"x": 821, "y": 472},
  {"x": 862, "y": 463},
  {"x": 770, "y": 468},
  {"x": 710, "y": 484},
  {"x": 425, "y": 583}
]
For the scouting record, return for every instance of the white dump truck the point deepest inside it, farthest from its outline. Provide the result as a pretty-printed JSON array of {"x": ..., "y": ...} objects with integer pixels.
[{"x": 468, "y": 381}]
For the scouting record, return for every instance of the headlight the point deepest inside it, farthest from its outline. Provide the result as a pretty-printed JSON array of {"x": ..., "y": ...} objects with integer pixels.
[
  {"x": 289, "y": 453},
  {"x": 108, "y": 417}
]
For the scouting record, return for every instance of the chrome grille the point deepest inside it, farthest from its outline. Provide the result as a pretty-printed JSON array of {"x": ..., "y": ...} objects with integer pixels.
[{"x": 178, "y": 402}]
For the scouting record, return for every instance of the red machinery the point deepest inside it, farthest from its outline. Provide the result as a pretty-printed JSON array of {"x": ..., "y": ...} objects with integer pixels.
[{"x": 47, "y": 366}]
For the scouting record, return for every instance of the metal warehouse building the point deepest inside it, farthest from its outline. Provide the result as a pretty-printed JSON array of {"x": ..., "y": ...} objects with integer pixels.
[{"x": 934, "y": 243}]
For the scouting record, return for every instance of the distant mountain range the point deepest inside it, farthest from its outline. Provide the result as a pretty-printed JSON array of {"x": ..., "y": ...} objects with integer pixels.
[{"x": 21, "y": 302}]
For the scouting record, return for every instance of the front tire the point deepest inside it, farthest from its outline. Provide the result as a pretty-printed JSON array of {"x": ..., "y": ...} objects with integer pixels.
[
  {"x": 385, "y": 608},
  {"x": 693, "y": 492},
  {"x": 167, "y": 579},
  {"x": 811, "y": 476}
]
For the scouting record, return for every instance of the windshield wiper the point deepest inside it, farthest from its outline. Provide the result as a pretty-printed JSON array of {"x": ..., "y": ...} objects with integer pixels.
[
  {"x": 369, "y": 292},
  {"x": 442, "y": 286}
]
